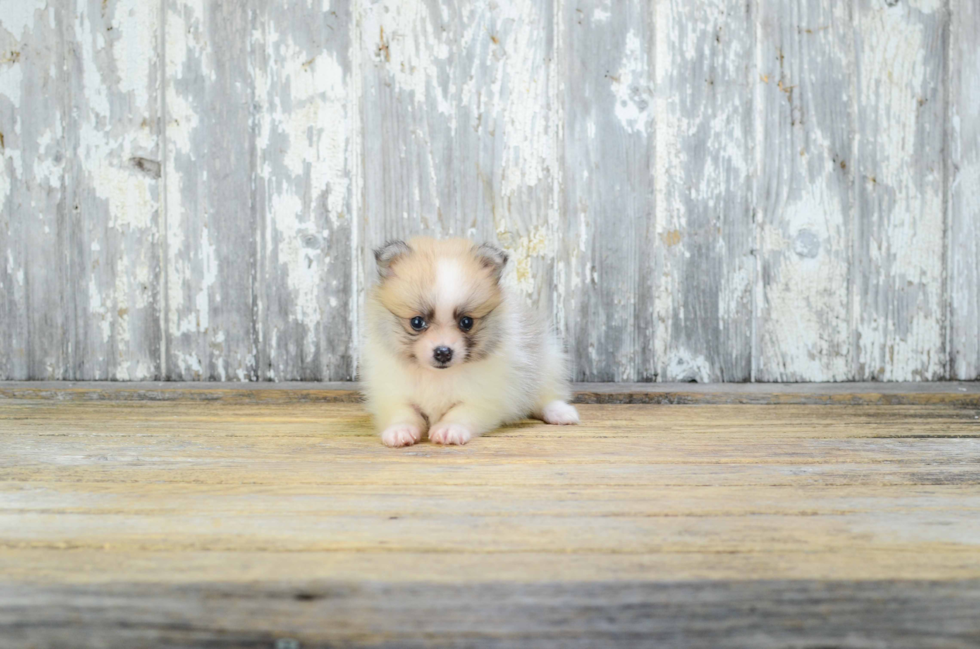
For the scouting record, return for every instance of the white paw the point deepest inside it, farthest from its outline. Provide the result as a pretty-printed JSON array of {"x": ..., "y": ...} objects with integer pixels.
[
  {"x": 559, "y": 412},
  {"x": 401, "y": 435},
  {"x": 449, "y": 434}
]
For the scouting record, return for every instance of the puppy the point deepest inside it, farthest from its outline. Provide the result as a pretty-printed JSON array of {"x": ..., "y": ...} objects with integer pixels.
[{"x": 448, "y": 351}]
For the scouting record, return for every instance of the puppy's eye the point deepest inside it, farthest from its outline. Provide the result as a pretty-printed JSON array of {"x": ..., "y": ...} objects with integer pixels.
[
  {"x": 466, "y": 323},
  {"x": 418, "y": 323}
]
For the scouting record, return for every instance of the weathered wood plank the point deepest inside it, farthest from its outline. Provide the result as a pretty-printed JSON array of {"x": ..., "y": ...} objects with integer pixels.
[
  {"x": 732, "y": 613},
  {"x": 35, "y": 309},
  {"x": 506, "y": 137},
  {"x": 606, "y": 198},
  {"x": 804, "y": 130},
  {"x": 211, "y": 330},
  {"x": 227, "y": 523},
  {"x": 410, "y": 87},
  {"x": 303, "y": 128},
  {"x": 82, "y": 566},
  {"x": 899, "y": 300},
  {"x": 523, "y": 121},
  {"x": 963, "y": 178},
  {"x": 506, "y": 532},
  {"x": 113, "y": 189},
  {"x": 458, "y": 131},
  {"x": 459, "y": 135},
  {"x": 704, "y": 224}
]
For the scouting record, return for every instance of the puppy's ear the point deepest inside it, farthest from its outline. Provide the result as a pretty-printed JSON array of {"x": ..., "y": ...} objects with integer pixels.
[
  {"x": 493, "y": 258},
  {"x": 387, "y": 254}
]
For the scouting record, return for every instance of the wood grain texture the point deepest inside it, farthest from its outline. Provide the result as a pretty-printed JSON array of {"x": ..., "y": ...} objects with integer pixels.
[
  {"x": 607, "y": 188},
  {"x": 231, "y": 523},
  {"x": 904, "y": 614},
  {"x": 899, "y": 234},
  {"x": 34, "y": 239},
  {"x": 804, "y": 130},
  {"x": 211, "y": 220},
  {"x": 708, "y": 191},
  {"x": 409, "y": 74},
  {"x": 304, "y": 193},
  {"x": 507, "y": 119},
  {"x": 459, "y": 134},
  {"x": 113, "y": 184},
  {"x": 963, "y": 178},
  {"x": 703, "y": 122}
]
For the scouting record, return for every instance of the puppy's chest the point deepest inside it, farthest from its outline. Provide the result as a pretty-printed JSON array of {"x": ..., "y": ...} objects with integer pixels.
[{"x": 432, "y": 399}]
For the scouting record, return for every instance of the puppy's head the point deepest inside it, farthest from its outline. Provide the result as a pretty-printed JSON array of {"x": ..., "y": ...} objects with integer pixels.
[{"x": 439, "y": 299}]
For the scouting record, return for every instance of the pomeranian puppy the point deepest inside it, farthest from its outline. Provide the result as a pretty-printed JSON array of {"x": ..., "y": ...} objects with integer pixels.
[{"x": 448, "y": 351}]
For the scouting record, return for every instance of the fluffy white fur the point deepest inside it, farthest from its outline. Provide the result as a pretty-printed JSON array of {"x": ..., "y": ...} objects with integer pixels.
[{"x": 523, "y": 375}]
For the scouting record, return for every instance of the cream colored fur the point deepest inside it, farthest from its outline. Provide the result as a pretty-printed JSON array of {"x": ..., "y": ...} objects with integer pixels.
[{"x": 524, "y": 375}]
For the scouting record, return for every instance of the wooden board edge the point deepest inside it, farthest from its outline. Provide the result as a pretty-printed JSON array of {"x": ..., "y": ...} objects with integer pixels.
[{"x": 964, "y": 394}]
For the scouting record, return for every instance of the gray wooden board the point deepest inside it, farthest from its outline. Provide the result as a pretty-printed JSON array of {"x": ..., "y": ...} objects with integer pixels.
[
  {"x": 506, "y": 137},
  {"x": 704, "y": 302},
  {"x": 303, "y": 192},
  {"x": 758, "y": 614},
  {"x": 409, "y": 78},
  {"x": 963, "y": 182},
  {"x": 899, "y": 235},
  {"x": 606, "y": 199},
  {"x": 708, "y": 190},
  {"x": 112, "y": 287},
  {"x": 34, "y": 239},
  {"x": 211, "y": 220},
  {"x": 804, "y": 163}
]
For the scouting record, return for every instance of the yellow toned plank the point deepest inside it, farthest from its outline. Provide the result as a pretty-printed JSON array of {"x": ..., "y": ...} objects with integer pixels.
[
  {"x": 341, "y": 420},
  {"x": 907, "y": 530},
  {"x": 236, "y": 522},
  {"x": 107, "y": 565},
  {"x": 765, "y": 491},
  {"x": 164, "y": 499}
]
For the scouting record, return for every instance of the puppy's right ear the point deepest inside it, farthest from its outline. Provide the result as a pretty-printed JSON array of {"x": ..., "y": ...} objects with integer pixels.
[{"x": 387, "y": 254}]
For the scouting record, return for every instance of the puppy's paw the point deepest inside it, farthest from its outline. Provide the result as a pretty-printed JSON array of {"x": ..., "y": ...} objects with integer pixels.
[
  {"x": 449, "y": 434},
  {"x": 401, "y": 435},
  {"x": 559, "y": 412}
]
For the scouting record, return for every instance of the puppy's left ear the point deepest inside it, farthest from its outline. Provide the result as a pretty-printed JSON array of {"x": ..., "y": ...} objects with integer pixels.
[
  {"x": 387, "y": 254},
  {"x": 493, "y": 258}
]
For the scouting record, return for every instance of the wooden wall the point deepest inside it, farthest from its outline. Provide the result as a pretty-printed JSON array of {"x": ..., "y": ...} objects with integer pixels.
[{"x": 709, "y": 190}]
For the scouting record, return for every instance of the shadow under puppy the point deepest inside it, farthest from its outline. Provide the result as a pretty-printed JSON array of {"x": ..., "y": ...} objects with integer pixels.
[{"x": 450, "y": 352}]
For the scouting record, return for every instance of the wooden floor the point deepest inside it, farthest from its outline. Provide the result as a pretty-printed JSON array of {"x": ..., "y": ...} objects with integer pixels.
[{"x": 285, "y": 523}]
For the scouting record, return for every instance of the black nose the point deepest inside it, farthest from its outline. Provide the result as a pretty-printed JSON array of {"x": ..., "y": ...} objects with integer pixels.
[{"x": 442, "y": 354}]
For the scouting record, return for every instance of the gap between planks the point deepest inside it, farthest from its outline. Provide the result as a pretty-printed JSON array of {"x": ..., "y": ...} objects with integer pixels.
[{"x": 953, "y": 393}]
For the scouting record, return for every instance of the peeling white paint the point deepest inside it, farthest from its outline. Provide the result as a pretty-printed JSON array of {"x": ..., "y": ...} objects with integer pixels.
[
  {"x": 807, "y": 328},
  {"x": 304, "y": 104},
  {"x": 19, "y": 15},
  {"x": 602, "y": 11},
  {"x": 519, "y": 273},
  {"x": 498, "y": 68},
  {"x": 410, "y": 44},
  {"x": 11, "y": 79},
  {"x": 135, "y": 57},
  {"x": 903, "y": 201},
  {"x": 684, "y": 366},
  {"x": 4, "y": 182},
  {"x": 631, "y": 85},
  {"x": 47, "y": 167}
]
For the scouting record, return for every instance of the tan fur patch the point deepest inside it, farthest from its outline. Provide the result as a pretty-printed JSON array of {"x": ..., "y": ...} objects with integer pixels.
[{"x": 410, "y": 289}]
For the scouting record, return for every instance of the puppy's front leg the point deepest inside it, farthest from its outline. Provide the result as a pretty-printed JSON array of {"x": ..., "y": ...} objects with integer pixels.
[
  {"x": 462, "y": 423},
  {"x": 404, "y": 426}
]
